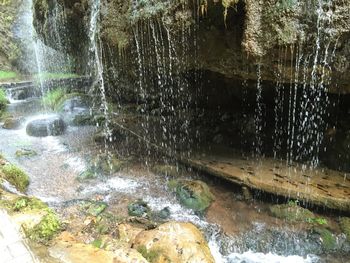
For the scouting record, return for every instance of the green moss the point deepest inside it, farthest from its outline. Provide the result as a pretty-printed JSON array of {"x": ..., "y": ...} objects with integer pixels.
[
  {"x": 47, "y": 228},
  {"x": 16, "y": 177},
  {"x": 25, "y": 153},
  {"x": 94, "y": 208},
  {"x": 172, "y": 184},
  {"x": 86, "y": 175},
  {"x": 152, "y": 255},
  {"x": 329, "y": 242},
  {"x": 28, "y": 203},
  {"x": 292, "y": 212},
  {"x": 345, "y": 226},
  {"x": 3, "y": 102},
  {"x": 97, "y": 243},
  {"x": 52, "y": 98},
  {"x": 195, "y": 195},
  {"x": 4, "y": 75}
]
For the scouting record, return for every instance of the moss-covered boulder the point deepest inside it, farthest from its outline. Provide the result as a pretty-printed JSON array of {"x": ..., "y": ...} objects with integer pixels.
[
  {"x": 139, "y": 208},
  {"x": 12, "y": 123},
  {"x": 291, "y": 212},
  {"x": 195, "y": 195},
  {"x": 173, "y": 242},
  {"x": 344, "y": 223},
  {"x": 15, "y": 176}
]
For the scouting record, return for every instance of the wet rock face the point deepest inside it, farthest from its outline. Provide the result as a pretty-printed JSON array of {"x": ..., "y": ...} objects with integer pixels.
[
  {"x": 72, "y": 19},
  {"x": 52, "y": 126},
  {"x": 233, "y": 36}
]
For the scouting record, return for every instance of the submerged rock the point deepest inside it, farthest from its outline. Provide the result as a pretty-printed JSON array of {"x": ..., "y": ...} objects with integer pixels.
[
  {"x": 195, "y": 195},
  {"x": 51, "y": 126},
  {"x": 25, "y": 153},
  {"x": 12, "y": 123},
  {"x": 173, "y": 242}
]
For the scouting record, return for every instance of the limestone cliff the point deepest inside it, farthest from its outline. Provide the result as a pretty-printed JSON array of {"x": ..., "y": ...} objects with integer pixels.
[{"x": 227, "y": 37}]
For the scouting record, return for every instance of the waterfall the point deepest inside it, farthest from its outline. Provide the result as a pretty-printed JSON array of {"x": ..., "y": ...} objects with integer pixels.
[
  {"x": 164, "y": 95},
  {"x": 308, "y": 101}
]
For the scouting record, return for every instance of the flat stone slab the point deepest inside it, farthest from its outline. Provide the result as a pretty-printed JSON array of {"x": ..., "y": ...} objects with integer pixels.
[
  {"x": 323, "y": 187},
  {"x": 13, "y": 248}
]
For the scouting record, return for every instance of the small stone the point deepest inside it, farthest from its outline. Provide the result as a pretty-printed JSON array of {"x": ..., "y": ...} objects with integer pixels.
[{"x": 138, "y": 208}]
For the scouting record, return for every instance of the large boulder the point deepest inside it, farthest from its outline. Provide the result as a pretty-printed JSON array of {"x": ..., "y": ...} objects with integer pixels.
[
  {"x": 173, "y": 242},
  {"x": 66, "y": 249},
  {"x": 51, "y": 126}
]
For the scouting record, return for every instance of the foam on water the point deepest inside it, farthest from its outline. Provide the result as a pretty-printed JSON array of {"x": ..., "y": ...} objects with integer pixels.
[
  {"x": 117, "y": 184},
  {"x": 54, "y": 145},
  {"x": 76, "y": 163},
  {"x": 251, "y": 257}
]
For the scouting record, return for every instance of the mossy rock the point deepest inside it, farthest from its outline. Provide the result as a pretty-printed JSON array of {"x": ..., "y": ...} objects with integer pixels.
[
  {"x": 139, "y": 208},
  {"x": 195, "y": 195},
  {"x": 25, "y": 153},
  {"x": 48, "y": 228},
  {"x": 344, "y": 223},
  {"x": 86, "y": 175},
  {"x": 28, "y": 203},
  {"x": 166, "y": 170},
  {"x": 15, "y": 176},
  {"x": 107, "y": 164},
  {"x": 291, "y": 213},
  {"x": 12, "y": 123},
  {"x": 94, "y": 208},
  {"x": 88, "y": 119},
  {"x": 329, "y": 242}
]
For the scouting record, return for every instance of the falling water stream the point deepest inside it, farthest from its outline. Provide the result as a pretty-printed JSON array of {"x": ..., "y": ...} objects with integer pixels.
[{"x": 60, "y": 160}]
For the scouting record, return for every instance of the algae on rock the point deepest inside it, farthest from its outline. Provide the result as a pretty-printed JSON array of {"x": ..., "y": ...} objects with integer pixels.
[{"x": 15, "y": 176}]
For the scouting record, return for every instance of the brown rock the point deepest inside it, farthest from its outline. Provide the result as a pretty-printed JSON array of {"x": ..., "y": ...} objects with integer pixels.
[{"x": 174, "y": 242}]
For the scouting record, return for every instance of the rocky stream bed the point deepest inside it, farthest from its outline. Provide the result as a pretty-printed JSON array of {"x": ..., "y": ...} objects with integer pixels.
[{"x": 110, "y": 205}]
